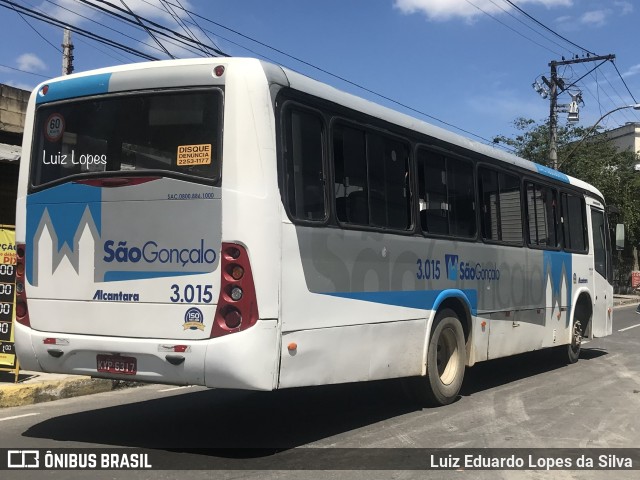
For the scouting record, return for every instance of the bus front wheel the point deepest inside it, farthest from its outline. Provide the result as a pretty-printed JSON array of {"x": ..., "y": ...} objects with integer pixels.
[
  {"x": 446, "y": 358},
  {"x": 571, "y": 353}
]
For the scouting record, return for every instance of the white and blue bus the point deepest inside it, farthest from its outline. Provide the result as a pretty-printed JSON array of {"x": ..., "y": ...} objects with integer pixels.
[{"x": 234, "y": 224}]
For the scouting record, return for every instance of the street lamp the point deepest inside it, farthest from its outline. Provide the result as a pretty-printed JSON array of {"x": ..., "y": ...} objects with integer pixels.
[{"x": 635, "y": 107}]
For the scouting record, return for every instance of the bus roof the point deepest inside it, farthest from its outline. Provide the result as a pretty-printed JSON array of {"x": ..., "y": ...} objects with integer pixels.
[{"x": 297, "y": 81}]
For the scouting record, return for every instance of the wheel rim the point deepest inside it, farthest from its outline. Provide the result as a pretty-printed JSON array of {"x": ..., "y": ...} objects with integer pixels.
[
  {"x": 576, "y": 338},
  {"x": 447, "y": 356}
]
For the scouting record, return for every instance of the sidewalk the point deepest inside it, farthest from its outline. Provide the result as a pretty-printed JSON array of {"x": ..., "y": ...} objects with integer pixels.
[
  {"x": 620, "y": 300},
  {"x": 36, "y": 387}
]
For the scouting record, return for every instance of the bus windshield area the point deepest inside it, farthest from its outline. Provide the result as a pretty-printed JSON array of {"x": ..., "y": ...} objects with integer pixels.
[{"x": 176, "y": 131}]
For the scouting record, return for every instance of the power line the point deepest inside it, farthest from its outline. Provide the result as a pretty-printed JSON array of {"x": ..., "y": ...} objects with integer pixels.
[
  {"x": 24, "y": 71},
  {"x": 37, "y": 32},
  {"x": 575, "y": 45},
  {"x": 114, "y": 50},
  {"x": 52, "y": 21},
  {"x": 147, "y": 30},
  {"x": 531, "y": 28},
  {"x": 182, "y": 25},
  {"x": 547, "y": 28},
  {"x": 96, "y": 22},
  {"x": 508, "y": 26},
  {"x": 59, "y": 23},
  {"x": 155, "y": 27},
  {"x": 196, "y": 23},
  {"x": 623, "y": 81},
  {"x": 185, "y": 27},
  {"x": 118, "y": 18},
  {"x": 326, "y": 72}
]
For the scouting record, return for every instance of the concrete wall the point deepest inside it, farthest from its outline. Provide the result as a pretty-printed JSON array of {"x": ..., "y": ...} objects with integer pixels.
[{"x": 13, "y": 105}]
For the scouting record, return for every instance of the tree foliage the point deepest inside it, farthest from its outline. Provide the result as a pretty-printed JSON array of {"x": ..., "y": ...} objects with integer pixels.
[{"x": 594, "y": 160}]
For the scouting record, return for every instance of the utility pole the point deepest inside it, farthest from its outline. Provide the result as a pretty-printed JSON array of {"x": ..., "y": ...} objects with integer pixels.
[
  {"x": 67, "y": 53},
  {"x": 553, "y": 116},
  {"x": 554, "y": 91}
]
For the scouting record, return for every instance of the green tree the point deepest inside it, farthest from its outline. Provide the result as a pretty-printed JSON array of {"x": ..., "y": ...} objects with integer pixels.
[{"x": 594, "y": 160}]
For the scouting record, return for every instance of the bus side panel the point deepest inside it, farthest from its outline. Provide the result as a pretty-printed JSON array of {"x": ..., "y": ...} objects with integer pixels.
[
  {"x": 246, "y": 360},
  {"x": 352, "y": 353},
  {"x": 545, "y": 320}
]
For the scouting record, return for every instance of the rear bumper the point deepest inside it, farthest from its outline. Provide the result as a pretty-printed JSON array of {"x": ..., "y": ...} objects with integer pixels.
[{"x": 244, "y": 360}]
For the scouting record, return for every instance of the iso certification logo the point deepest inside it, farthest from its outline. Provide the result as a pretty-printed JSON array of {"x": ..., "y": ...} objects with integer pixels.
[{"x": 193, "y": 319}]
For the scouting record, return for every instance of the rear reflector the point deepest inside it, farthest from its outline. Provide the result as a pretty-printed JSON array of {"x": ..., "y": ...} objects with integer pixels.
[{"x": 55, "y": 341}]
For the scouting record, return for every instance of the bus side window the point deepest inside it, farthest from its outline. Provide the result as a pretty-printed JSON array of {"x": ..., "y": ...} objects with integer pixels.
[
  {"x": 446, "y": 195},
  {"x": 304, "y": 166},
  {"x": 501, "y": 206},
  {"x": 574, "y": 223},
  {"x": 541, "y": 215},
  {"x": 350, "y": 173}
]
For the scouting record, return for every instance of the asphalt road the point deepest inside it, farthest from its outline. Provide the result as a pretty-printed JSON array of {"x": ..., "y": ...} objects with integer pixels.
[{"x": 527, "y": 401}]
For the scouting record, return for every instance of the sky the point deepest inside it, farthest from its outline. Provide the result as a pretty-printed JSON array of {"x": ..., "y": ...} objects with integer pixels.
[{"x": 466, "y": 65}]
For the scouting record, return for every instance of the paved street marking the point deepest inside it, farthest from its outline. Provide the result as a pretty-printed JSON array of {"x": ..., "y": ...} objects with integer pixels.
[
  {"x": 175, "y": 388},
  {"x": 18, "y": 416},
  {"x": 629, "y": 328}
]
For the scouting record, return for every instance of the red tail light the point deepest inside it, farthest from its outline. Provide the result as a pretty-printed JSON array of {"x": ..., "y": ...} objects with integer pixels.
[
  {"x": 22, "y": 312},
  {"x": 237, "y": 304}
]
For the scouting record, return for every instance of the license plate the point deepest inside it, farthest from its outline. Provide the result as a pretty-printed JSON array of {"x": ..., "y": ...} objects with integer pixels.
[{"x": 117, "y": 364}]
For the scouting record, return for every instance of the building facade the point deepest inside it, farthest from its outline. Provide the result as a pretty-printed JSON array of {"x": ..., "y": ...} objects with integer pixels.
[
  {"x": 626, "y": 137},
  {"x": 13, "y": 106}
]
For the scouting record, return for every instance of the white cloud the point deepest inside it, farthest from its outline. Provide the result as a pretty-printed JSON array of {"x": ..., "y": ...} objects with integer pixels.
[
  {"x": 634, "y": 70},
  {"x": 595, "y": 18},
  {"x": 625, "y": 7},
  {"x": 69, "y": 11},
  {"x": 30, "y": 62},
  {"x": 592, "y": 18},
  {"x": 441, "y": 10}
]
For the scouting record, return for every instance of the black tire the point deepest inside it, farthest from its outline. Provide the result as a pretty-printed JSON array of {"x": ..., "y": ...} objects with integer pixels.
[
  {"x": 446, "y": 359},
  {"x": 571, "y": 353}
]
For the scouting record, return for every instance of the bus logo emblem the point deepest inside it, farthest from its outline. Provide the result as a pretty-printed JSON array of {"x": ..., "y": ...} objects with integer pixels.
[
  {"x": 193, "y": 319},
  {"x": 451, "y": 261}
]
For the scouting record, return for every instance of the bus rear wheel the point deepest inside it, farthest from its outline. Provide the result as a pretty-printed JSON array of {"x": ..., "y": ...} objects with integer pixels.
[{"x": 446, "y": 358}]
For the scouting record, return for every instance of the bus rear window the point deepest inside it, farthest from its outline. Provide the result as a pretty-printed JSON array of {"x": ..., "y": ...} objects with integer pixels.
[{"x": 178, "y": 132}]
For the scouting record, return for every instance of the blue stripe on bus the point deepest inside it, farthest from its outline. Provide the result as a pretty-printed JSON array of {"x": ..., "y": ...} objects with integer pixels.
[
  {"x": 550, "y": 172},
  {"x": 76, "y": 87},
  {"x": 420, "y": 299}
]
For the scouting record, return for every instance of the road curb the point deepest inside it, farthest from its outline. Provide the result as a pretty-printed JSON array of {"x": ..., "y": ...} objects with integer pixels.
[
  {"x": 46, "y": 391},
  {"x": 625, "y": 303}
]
